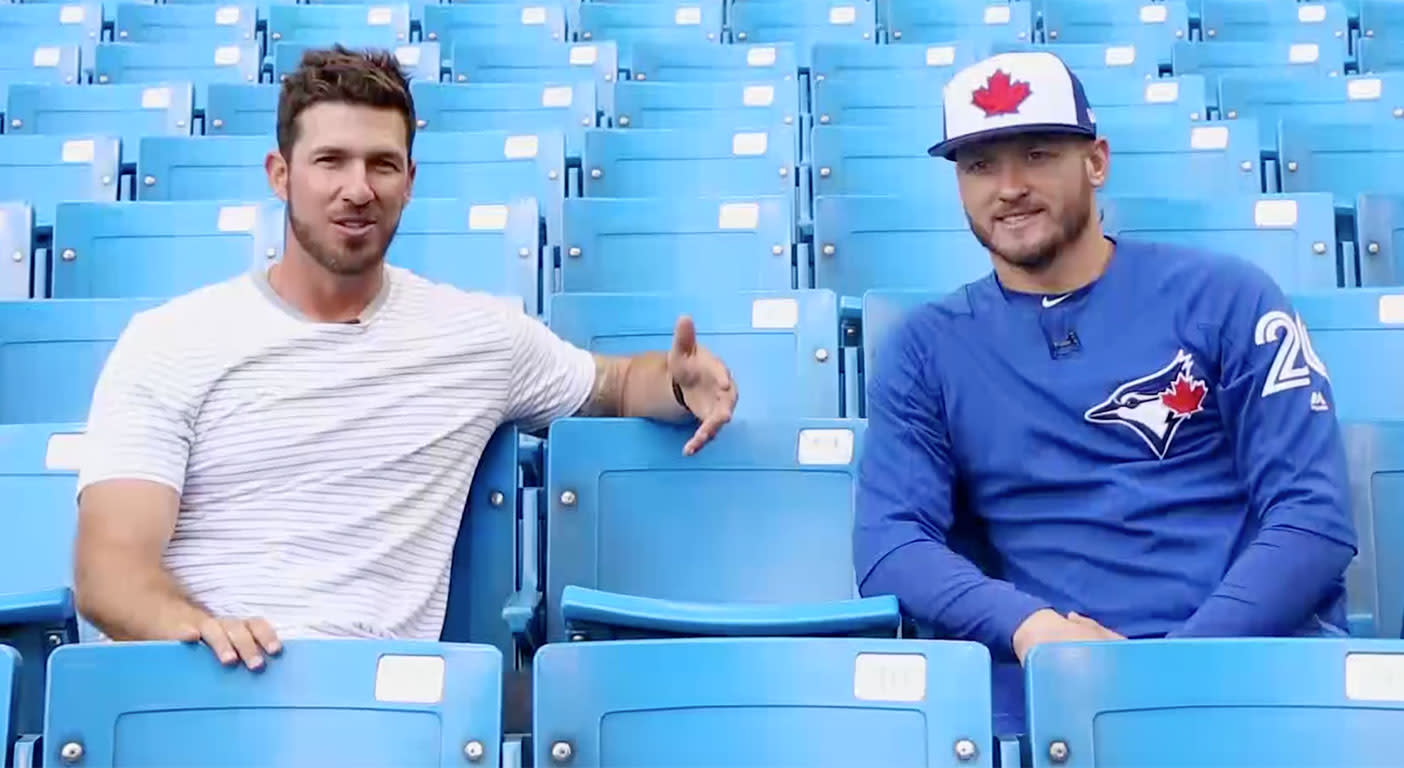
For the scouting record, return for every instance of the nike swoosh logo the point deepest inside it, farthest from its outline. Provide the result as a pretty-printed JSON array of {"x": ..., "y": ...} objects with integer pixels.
[{"x": 1047, "y": 302}]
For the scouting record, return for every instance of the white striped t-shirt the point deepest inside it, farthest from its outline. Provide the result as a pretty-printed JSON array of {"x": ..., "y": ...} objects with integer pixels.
[{"x": 322, "y": 467}]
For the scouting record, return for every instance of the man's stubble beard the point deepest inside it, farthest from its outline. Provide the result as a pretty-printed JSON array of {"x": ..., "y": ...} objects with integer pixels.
[
  {"x": 342, "y": 264},
  {"x": 1073, "y": 223}
]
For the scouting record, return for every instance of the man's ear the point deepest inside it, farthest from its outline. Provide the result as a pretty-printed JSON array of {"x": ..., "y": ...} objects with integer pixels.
[
  {"x": 276, "y": 166},
  {"x": 1098, "y": 162}
]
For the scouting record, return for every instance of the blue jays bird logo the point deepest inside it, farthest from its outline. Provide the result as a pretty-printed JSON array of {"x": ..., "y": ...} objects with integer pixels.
[{"x": 1155, "y": 406}]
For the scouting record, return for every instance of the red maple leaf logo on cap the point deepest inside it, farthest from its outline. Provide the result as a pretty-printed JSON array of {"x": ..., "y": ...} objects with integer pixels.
[
  {"x": 1185, "y": 396},
  {"x": 1000, "y": 95}
]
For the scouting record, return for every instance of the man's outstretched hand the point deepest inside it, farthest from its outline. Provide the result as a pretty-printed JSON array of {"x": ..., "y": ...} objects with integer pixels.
[{"x": 705, "y": 382}]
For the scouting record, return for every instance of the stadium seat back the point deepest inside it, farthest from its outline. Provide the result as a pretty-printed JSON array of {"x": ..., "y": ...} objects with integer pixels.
[
  {"x": 803, "y": 23},
  {"x": 834, "y": 61},
  {"x": 539, "y": 63},
  {"x": 418, "y": 61},
  {"x": 746, "y": 105},
  {"x": 203, "y": 167},
  {"x": 781, "y": 347},
  {"x": 489, "y": 245},
  {"x": 130, "y": 111},
  {"x": 518, "y": 107},
  {"x": 45, "y": 170},
  {"x": 16, "y": 249},
  {"x": 218, "y": 23},
  {"x": 1159, "y": 703},
  {"x": 241, "y": 110},
  {"x": 1185, "y": 161},
  {"x": 658, "y": 63},
  {"x": 52, "y": 24},
  {"x": 697, "y": 162},
  {"x": 1345, "y": 160},
  {"x": 38, "y": 64},
  {"x": 1263, "y": 21},
  {"x": 1355, "y": 332},
  {"x": 1291, "y": 237},
  {"x": 201, "y": 63},
  {"x": 817, "y": 702},
  {"x": 1151, "y": 27},
  {"x": 379, "y": 25},
  {"x": 768, "y": 506},
  {"x": 1123, "y": 95},
  {"x": 1375, "y": 456},
  {"x": 321, "y": 701},
  {"x": 946, "y": 21},
  {"x": 1272, "y": 100},
  {"x": 472, "y": 24},
  {"x": 1271, "y": 58},
  {"x": 882, "y": 161},
  {"x": 672, "y": 22},
  {"x": 1376, "y": 57},
  {"x": 881, "y": 99},
  {"x": 1084, "y": 58},
  {"x": 1379, "y": 239}
]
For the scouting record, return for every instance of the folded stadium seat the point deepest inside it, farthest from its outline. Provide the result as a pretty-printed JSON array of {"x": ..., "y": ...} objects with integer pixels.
[
  {"x": 743, "y": 105},
  {"x": 1291, "y": 237},
  {"x": 38, "y": 468},
  {"x": 866, "y": 243},
  {"x": 736, "y": 703},
  {"x": 1379, "y": 239},
  {"x": 1272, "y": 99},
  {"x": 1152, "y": 27},
  {"x": 9, "y": 691},
  {"x": 1272, "y": 58},
  {"x": 1375, "y": 456},
  {"x": 694, "y": 162},
  {"x": 201, "y": 63},
  {"x": 16, "y": 249},
  {"x": 948, "y": 21},
  {"x": 491, "y": 245},
  {"x": 220, "y": 23},
  {"x": 355, "y": 26},
  {"x": 883, "y": 161},
  {"x": 162, "y": 249},
  {"x": 519, "y": 107},
  {"x": 669, "y": 22},
  {"x": 45, "y": 170},
  {"x": 662, "y": 63},
  {"x": 540, "y": 63},
  {"x": 129, "y": 111},
  {"x": 241, "y": 110},
  {"x": 803, "y": 23},
  {"x": 1245, "y": 703},
  {"x": 782, "y": 347},
  {"x": 203, "y": 167},
  {"x": 1094, "y": 57},
  {"x": 1346, "y": 160},
  {"x": 1124, "y": 96},
  {"x": 1354, "y": 332},
  {"x": 1183, "y": 161},
  {"x": 68, "y": 341},
  {"x": 38, "y": 64},
  {"x": 50, "y": 24},
  {"x": 1381, "y": 40},
  {"x": 325, "y": 702},
  {"x": 879, "y": 98},
  {"x": 419, "y": 61},
  {"x": 766, "y": 508},
  {"x": 484, "y": 24},
  {"x": 678, "y": 244},
  {"x": 1323, "y": 23},
  {"x": 835, "y": 61}
]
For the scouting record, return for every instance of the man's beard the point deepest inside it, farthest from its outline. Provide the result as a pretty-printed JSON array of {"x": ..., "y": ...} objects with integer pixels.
[
  {"x": 1070, "y": 227},
  {"x": 339, "y": 261}
]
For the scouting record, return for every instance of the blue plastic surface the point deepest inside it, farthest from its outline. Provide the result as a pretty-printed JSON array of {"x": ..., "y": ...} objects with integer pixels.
[
  {"x": 741, "y": 105},
  {"x": 1359, "y": 334},
  {"x": 77, "y": 23},
  {"x": 1126, "y": 96},
  {"x": 418, "y": 61},
  {"x": 220, "y": 23},
  {"x": 320, "y": 702},
  {"x": 568, "y": 108},
  {"x": 1375, "y": 455},
  {"x": 883, "y": 98},
  {"x": 9, "y": 698},
  {"x": 45, "y": 170},
  {"x": 803, "y": 23},
  {"x": 201, "y": 63},
  {"x": 499, "y": 62},
  {"x": 697, "y": 162},
  {"x": 382, "y": 25},
  {"x": 1379, "y": 239},
  {"x": 129, "y": 111},
  {"x": 473, "y": 24},
  {"x": 1090, "y": 59},
  {"x": 204, "y": 167},
  {"x": 40, "y": 64},
  {"x": 882, "y": 161},
  {"x": 241, "y": 110},
  {"x": 1345, "y": 160},
  {"x": 1276, "y": 58},
  {"x": 490, "y": 245},
  {"x": 864, "y": 617},
  {"x": 946, "y": 21},
  {"x": 670, "y": 22},
  {"x": 1096, "y": 21},
  {"x": 16, "y": 249},
  {"x": 739, "y": 703},
  {"x": 835, "y": 61},
  {"x": 1184, "y": 161},
  {"x": 1264, "y": 20},
  {"x": 663, "y": 63},
  {"x": 1271, "y": 99}
]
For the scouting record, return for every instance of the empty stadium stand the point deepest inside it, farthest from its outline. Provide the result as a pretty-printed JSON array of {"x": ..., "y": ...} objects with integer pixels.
[
  {"x": 45, "y": 170},
  {"x": 16, "y": 249},
  {"x": 1375, "y": 453},
  {"x": 1350, "y": 331},
  {"x": 489, "y": 245}
]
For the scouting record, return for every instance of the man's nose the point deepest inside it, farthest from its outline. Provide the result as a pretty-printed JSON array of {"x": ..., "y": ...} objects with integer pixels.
[{"x": 357, "y": 190}]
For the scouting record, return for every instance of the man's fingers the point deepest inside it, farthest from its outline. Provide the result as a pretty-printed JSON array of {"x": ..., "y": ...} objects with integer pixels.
[
  {"x": 244, "y": 643},
  {"x": 263, "y": 633},
  {"x": 706, "y": 431},
  {"x": 215, "y": 636},
  {"x": 684, "y": 337}
]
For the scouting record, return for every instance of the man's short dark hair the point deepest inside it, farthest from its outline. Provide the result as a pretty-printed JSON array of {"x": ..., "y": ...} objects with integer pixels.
[{"x": 369, "y": 78}]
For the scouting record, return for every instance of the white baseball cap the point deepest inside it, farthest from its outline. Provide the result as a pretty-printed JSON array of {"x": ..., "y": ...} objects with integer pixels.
[{"x": 1013, "y": 93}]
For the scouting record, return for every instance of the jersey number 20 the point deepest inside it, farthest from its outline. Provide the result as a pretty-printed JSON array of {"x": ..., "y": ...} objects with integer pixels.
[{"x": 1295, "y": 359}]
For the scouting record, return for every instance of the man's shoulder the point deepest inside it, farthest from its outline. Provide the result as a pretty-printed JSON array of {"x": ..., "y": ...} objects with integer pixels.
[
  {"x": 443, "y": 299},
  {"x": 1194, "y": 271},
  {"x": 197, "y": 314}
]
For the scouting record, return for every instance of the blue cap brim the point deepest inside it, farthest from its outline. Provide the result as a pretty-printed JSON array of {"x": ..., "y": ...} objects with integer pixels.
[{"x": 947, "y": 149}]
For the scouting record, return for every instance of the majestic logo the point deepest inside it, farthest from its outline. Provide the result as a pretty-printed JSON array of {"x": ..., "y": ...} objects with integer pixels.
[
  {"x": 1000, "y": 95},
  {"x": 1155, "y": 406}
]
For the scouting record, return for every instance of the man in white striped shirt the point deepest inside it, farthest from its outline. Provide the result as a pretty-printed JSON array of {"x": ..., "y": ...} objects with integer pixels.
[{"x": 289, "y": 453}]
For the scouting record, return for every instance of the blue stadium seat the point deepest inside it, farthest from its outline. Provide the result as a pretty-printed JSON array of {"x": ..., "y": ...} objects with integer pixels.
[
  {"x": 1190, "y": 160},
  {"x": 219, "y": 23},
  {"x": 68, "y": 341},
  {"x": 1272, "y": 99},
  {"x": 47, "y": 170},
  {"x": 1375, "y": 456},
  {"x": 129, "y": 111},
  {"x": 475, "y": 245},
  {"x": 162, "y": 249},
  {"x": 241, "y": 110},
  {"x": 745, "y": 105},
  {"x": 782, "y": 347},
  {"x": 38, "y": 475},
  {"x": 865, "y": 243},
  {"x": 768, "y": 506},
  {"x": 1378, "y": 57},
  {"x": 1271, "y": 58},
  {"x": 733, "y": 703},
  {"x": 835, "y": 61},
  {"x": 1152, "y": 27},
  {"x": 520, "y": 107},
  {"x": 1124, "y": 96},
  {"x": 203, "y": 168},
  {"x": 9, "y": 691},
  {"x": 670, "y": 22},
  {"x": 1245, "y": 703},
  {"x": 201, "y": 63},
  {"x": 475, "y": 24},
  {"x": 419, "y": 61},
  {"x": 52, "y": 24},
  {"x": 1265, "y": 20},
  {"x": 16, "y": 249},
  {"x": 1379, "y": 239},
  {"x": 354, "y": 26},
  {"x": 368, "y": 702},
  {"x": 946, "y": 21},
  {"x": 678, "y": 244},
  {"x": 1346, "y": 160},
  {"x": 883, "y": 98},
  {"x": 1291, "y": 237},
  {"x": 1381, "y": 40},
  {"x": 539, "y": 63},
  {"x": 1355, "y": 332},
  {"x": 1095, "y": 57},
  {"x": 662, "y": 63},
  {"x": 803, "y": 23},
  {"x": 882, "y": 161},
  {"x": 698, "y": 162},
  {"x": 39, "y": 64}
]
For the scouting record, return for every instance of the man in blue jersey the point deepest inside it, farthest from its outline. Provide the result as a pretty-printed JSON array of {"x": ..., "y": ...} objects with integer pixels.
[{"x": 1141, "y": 435}]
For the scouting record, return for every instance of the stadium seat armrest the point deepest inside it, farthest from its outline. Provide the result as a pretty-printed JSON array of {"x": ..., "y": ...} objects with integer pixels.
[
  {"x": 27, "y": 750},
  {"x": 865, "y": 617},
  {"x": 50, "y": 606}
]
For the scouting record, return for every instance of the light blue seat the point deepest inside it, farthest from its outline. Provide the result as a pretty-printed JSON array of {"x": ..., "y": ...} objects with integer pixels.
[
  {"x": 201, "y": 63},
  {"x": 47, "y": 170},
  {"x": 1375, "y": 456},
  {"x": 767, "y": 506},
  {"x": 203, "y": 167},
  {"x": 1124, "y": 96},
  {"x": 475, "y": 24},
  {"x": 696, "y": 162},
  {"x": 39, "y": 64},
  {"x": 770, "y": 341},
  {"x": 1095, "y": 57},
  {"x": 418, "y": 61},
  {"x": 491, "y": 244},
  {"x": 16, "y": 249},
  {"x": 1308, "y": 703},
  {"x": 883, "y": 98},
  {"x": 539, "y": 63},
  {"x": 1152, "y": 27},
  {"x": 328, "y": 702},
  {"x": 1268, "y": 58},
  {"x": 519, "y": 107},
  {"x": 1381, "y": 40},
  {"x": 218, "y": 23},
  {"x": 731, "y": 703},
  {"x": 159, "y": 249},
  {"x": 677, "y": 244},
  {"x": 9, "y": 690},
  {"x": 1272, "y": 99},
  {"x": 883, "y": 312},
  {"x": 670, "y": 22},
  {"x": 128, "y": 111},
  {"x": 1359, "y": 334},
  {"x": 947, "y": 21},
  {"x": 836, "y": 61},
  {"x": 866, "y": 243},
  {"x": 1379, "y": 238},
  {"x": 1193, "y": 160},
  {"x": 1345, "y": 160},
  {"x": 69, "y": 341},
  {"x": 38, "y": 477},
  {"x": 882, "y": 161},
  {"x": 354, "y": 26},
  {"x": 51, "y": 24},
  {"x": 241, "y": 110},
  {"x": 1291, "y": 237},
  {"x": 742, "y": 105},
  {"x": 803, "y": 23},
  {"x": 700, "y": 62},
  {"x": 1375, "y": 57},
  {"x": 1264, "y": 20}
]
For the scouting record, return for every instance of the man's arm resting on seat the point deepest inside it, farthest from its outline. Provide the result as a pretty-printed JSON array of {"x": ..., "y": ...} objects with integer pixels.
[{"x": 122, "y": 587}]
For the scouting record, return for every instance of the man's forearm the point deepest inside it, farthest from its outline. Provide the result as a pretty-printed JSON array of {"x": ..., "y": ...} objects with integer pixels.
[
  {"x": 132, "y": 602},
  {"x": 638, "y": 386}
]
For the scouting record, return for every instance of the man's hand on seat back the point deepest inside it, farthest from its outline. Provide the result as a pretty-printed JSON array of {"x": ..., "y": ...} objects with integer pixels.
[
  {"x": 234, "y": 639},
  {"x": 1047, "y": 626},
  {"x": 706, "y": 384}
]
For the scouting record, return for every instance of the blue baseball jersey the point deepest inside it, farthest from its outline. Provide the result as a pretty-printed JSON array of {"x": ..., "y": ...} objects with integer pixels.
[{"x": 1157, "y": 450}]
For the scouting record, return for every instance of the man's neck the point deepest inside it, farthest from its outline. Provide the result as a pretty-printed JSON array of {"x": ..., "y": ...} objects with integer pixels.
[
  {"x": 1078, "y": 264},
  {"x": 320, "y": 295}
]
